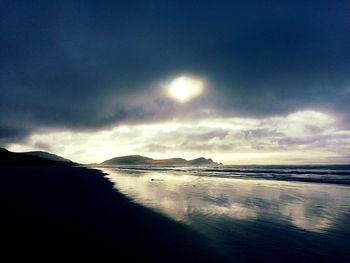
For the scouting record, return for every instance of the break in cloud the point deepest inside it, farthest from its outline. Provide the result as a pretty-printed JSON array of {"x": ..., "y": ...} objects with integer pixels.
[
  {"x": 94, "y": 67},
  {"x": 301, "y": 137}
]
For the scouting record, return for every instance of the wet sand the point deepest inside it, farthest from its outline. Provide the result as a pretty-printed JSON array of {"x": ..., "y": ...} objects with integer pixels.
[
  {"x": 249, "y": 220},
  {"x": 67, "y": 213}
]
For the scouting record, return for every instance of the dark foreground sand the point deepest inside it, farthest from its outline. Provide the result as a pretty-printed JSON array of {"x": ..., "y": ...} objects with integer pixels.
[{"x": 50, "y": 213}]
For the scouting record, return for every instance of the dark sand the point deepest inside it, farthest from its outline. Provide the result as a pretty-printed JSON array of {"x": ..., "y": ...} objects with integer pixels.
[{"x": 50, "y": 213}]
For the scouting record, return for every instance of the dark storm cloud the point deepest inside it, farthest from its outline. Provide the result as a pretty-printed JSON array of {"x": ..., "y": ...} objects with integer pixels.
[
  {"x": 82, "y": 64},
  {"x": 11, "y": 134}
]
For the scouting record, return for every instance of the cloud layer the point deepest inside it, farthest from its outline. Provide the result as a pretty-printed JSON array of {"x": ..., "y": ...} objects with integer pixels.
[
  {"x": 301, "y": 137},
  {"x": 90, "y": 65}
]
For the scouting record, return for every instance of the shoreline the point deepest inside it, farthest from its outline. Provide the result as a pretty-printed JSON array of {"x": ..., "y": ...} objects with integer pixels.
[
  {"x": 74, "y": 212},
  {"x": 250, "y": 221},
  {"x": 280, "y": 177}
]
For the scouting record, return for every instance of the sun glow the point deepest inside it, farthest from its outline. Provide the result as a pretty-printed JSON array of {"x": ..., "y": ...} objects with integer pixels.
[{"x": 185, "y": 88}]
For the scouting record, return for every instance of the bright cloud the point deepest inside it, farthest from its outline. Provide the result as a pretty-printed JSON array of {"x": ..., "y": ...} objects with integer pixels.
[{"x": 301, "y": 137}]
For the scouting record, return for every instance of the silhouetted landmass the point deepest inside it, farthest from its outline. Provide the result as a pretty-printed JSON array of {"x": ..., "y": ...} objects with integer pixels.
[
  {"x": 8, "y": 158},
  {"x": 130, "y": 159},
  {"x": 70, "y": 213},
  {"x": 49, "y": 156},
  {"x": 203, "y": 161},
  {"x": 142, "y": 160}
]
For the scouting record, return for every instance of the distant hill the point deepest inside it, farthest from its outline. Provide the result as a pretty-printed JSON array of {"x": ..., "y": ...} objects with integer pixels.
[
  {"x": 142, "y": 160},
  {"x": 48, "y": 155},
  {"x": 202, "y": 161},
  {"x": 130, "y": 159},
  {"x": 8, "y": 158}
]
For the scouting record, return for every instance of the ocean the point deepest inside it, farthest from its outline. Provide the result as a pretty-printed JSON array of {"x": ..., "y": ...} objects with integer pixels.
[{"x": 251, "y": 213}]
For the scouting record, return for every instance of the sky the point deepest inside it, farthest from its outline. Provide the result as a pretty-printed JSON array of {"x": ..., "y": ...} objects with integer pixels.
[{"x": 242, "y": 82}]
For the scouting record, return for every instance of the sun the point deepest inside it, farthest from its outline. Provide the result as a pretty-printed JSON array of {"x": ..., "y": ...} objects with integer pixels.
[{"x": 185, "y": 88}]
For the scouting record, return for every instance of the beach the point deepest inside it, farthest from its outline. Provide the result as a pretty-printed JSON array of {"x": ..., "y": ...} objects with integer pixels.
[
  {"x": 175, "y": 131},
  {"x": 50, "y": 213},
  {"x": 128, "y": 215},
  {"x": 270, "y": 214}
]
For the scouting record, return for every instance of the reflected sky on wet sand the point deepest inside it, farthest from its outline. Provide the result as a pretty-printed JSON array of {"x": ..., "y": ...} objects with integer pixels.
[
  {"x": 249, "y": 220},
  {"x": 306, "y": 206}
]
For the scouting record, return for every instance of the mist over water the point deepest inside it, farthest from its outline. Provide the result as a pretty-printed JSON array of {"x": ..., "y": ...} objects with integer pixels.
[{"x": 257, "y": 219}]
